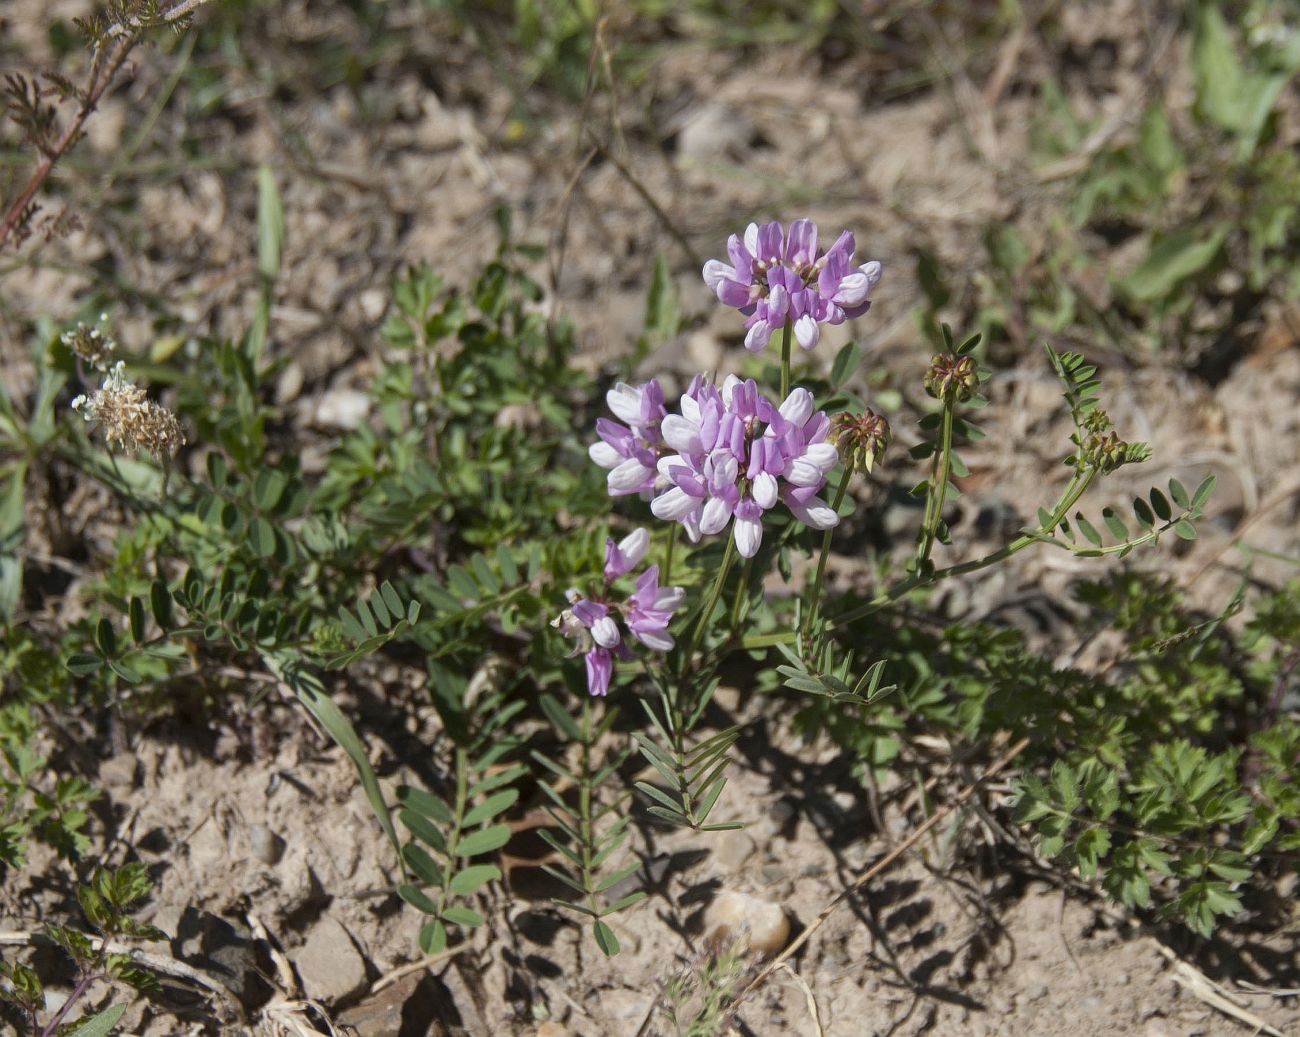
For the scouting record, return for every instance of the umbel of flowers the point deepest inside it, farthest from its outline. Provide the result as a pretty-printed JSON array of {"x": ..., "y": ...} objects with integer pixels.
[
  {"x": 776, "y": 278},
  {"x": 728, "y": 453},
  {"x": 595, "y": 620}
]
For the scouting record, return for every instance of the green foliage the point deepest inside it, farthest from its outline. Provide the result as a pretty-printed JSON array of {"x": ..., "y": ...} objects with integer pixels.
[
  {"x": 694, "y": 773},
  {"x": 107, "y": 902},
  {"x": 32, "y": 801},
  {"x": 584, "y": 834},
  {"x": 697, "y": 999},
  {"x": 1210, "y": 193},
  {"x": 448, "y": 832}
]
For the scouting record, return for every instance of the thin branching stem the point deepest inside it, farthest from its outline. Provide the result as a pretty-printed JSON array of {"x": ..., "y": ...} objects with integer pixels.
[
  {"x": 107, "y": 62},
  {"x": 1069, "y": 497}
]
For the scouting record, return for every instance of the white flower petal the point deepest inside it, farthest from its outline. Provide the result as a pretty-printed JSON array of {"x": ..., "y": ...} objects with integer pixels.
[
  {"x": 659, "y": 640},
  {"x": 803, "y": 473},
  {"x": 669, "y": 599},
  {"x": 605, "y": 632},
  {"x": 673, "y": 505},
  {"x": 749, "y": 535},
  {"x": 715, "y": 271},
  {"x": 625, "y": 402},
  {"x": 681, "y": 434},
  {"x": 628, "y": 475},
  {"x": 758, "y": 336},
  {"x": 714, "y": 517},
  {"x": 823, "y": 455},
  {"x": 817, "y": 514},
  {"x": 751, "y": 239},
  {"x": 633, "y": 547},
  {"x": 806, "y": 331},
  {"x": 764, "y": 489},
  {"x": 604, "y": 454},
  {"x": 798, "y": 406}
]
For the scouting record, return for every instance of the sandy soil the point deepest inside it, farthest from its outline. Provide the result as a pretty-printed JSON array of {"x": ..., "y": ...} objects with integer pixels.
[{"x": 255, "y": 825}]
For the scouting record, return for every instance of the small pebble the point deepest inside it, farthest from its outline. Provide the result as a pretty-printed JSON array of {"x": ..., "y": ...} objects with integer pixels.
[
  {"x": 733, "y": 850},
  {"x": 759, "y": 925},
  {"x": 265, "y": 845}
]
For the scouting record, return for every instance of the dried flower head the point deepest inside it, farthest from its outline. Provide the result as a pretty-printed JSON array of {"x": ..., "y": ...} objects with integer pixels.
[
  {"x": 90, "y": 345},
  {"x": 861, "y": 439},
  {"x": 128, "y": 419},
  {"x": 952, "y": 376}
]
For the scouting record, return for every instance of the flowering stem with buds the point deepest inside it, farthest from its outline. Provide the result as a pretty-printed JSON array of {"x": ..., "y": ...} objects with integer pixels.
[
  {"x": 934, "y": 502},
  {"x": 785, "y": 357},
  {"x": 815, "y": 595},
  {"x": 1069, "y": 497}
]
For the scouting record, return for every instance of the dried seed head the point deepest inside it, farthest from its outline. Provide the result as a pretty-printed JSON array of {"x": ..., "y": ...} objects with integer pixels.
[
  {"x": 91, "y": 345},
  {"x": 861, "y": 439},
  {"x": 952, "y": 377},
  {"x": 129, "y": 420}
]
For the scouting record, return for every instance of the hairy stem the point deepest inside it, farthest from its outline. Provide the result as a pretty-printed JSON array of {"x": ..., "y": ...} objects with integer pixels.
[
  {"x": 666, "y": 575},
  {"x": 714, "y": 594},
  {"x": 739, "y": 600}
]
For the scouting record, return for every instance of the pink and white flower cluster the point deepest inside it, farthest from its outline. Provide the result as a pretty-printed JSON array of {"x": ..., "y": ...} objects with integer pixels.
[
  {"x": 774, "y": 277},
  {"x": 645, "y": 614},
  {"x": 730, "y": 454}
]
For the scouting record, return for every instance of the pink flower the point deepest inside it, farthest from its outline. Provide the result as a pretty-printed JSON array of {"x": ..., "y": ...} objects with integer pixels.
[
  {"x": 629, "y": 450},
  {"x": 774, "y": 277},
  {"x": 737, "y": 456},
  {"x": 645, "y": 614}
]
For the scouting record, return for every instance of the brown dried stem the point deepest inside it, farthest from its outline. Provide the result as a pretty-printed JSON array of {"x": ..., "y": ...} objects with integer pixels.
[{"x": 107, "y": 61}]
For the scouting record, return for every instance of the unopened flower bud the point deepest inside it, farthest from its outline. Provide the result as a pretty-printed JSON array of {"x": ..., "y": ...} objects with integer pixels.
[
  {"x": 861, "y": 439},
  {"x": 952, "y": 377},
  {"x": 1102, "y": 447}
]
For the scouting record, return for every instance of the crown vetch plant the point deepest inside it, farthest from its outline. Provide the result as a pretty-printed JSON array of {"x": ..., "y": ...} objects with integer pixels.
[{"x": 245, "y": 565}]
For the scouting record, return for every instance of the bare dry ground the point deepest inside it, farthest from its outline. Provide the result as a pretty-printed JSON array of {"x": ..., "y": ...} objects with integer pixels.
[{"x": 252, "y": 822}]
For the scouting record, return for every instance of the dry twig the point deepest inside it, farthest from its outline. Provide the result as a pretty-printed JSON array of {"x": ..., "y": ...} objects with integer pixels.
[{"x": 884, "y": 864}]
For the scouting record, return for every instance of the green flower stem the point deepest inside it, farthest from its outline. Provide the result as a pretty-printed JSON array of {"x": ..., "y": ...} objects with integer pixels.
[
  {"x": 711, "y": 602},
  {"x": 666, "y": 578},
  {"x": 584, "y": 809},
  {"x": 1069, "y": 497},
  {"x": 938, "y": 487},
  {"x": 815, "y": 597},
  {"x": 739, "y": 600},
  {"x": 785, "y": 358}
]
